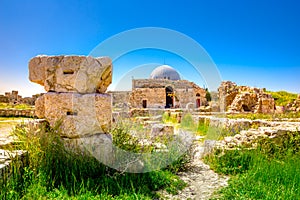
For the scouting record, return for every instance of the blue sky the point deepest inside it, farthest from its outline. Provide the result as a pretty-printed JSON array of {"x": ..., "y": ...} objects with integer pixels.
[{"x": 255, "y": 43}]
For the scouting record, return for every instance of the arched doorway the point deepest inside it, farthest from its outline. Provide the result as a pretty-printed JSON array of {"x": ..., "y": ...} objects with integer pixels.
[
  {"x": 246, "y": 108},
  {"x": 169, "y": 97},
  {"x": 198, "y": 100}
]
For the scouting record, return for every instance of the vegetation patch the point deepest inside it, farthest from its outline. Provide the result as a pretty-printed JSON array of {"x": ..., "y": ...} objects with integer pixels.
[
  {"x": 282, "y": 98},
  {"x": 269, "y": 172},
  {"x": 52, "y": 172},
  {"x": 15, "y": 106},
  {"x": 275, "y": 116}
]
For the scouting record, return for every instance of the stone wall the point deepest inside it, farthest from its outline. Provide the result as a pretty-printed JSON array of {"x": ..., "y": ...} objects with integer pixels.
[
  {"x": 245, "y": 99},
  {"x": 120, "y": 99},
  {"x": 14, "y": 98},
  {"x": 154, "y": 97},
  {"x": 17, "y": 113},
  {"x": 4, "y": 99}
]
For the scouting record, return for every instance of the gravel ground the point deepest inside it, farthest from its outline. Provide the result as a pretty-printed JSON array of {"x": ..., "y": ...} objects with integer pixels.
[{"x": 202, "y": 181}]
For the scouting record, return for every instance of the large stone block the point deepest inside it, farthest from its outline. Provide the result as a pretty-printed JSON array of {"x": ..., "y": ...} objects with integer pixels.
[
  {"x": 80, "y": 114},
  {"x": 99, "y": 146},
  {"x": 82, "y": 74}
]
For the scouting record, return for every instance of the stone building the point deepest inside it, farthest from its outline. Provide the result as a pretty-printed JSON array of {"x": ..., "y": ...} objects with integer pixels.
[{"x": 163, "y": 89}]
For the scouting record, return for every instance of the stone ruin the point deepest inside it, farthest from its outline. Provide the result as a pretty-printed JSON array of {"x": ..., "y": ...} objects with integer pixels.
[
  {"x": 245, "y": 99},
  {"x": 295, "y": 105},
  {"x": 13, "y": 97},
  {"x": 76, "y": 97}
]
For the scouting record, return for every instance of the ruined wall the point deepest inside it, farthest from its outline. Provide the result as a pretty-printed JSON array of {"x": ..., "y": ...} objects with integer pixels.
[
  {"x": 245, "y": 99},
  {"x": 227, "y": 92},
  {"x": 4, "y": 99},
  {"x": 294, "y": 106},
  {"x": 120, "y": 99},
  {"x": 17, "y": 113},
  {"x": 14, "y": 98}
]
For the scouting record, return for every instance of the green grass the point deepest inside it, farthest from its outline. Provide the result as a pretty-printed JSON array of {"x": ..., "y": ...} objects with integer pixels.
[
  {"x": 269, "y": 172},
  {"x": 52, "y": 172},
  {"x": 274, "y": 116},
  {"x": 17, "y": 106},
  {"x": 168, "y": 118},
  {"x": 10, "y": 122},
  {"x": 282, "y": 98},
  {"x": 267, "y": 180},
  {"x": 8, "y": 118}
]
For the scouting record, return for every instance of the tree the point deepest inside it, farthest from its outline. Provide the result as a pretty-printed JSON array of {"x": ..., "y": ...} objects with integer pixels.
[{"x": 207, "y": 95}]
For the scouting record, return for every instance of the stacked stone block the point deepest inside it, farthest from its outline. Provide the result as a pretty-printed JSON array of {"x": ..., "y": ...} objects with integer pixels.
[{"x": 75, "y": 96}]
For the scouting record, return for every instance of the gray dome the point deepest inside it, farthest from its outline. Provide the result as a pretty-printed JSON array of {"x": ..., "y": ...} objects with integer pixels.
[{"x": 165, "y": 72}]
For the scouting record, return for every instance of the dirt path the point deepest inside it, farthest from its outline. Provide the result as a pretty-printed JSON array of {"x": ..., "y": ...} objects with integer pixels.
[{"x": 202, "y": 181}]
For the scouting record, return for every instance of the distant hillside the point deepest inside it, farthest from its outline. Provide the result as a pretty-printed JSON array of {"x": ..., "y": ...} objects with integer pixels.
[{"x": 282, "y": 98}]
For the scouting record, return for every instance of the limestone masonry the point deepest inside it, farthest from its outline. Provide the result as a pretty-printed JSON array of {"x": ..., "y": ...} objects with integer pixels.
[
  {"x": 75, "y": 96},
  {"x": 13, "y": 97},
  {"x": 245, "y": 99},
  {"x": 79, "y": 74}
]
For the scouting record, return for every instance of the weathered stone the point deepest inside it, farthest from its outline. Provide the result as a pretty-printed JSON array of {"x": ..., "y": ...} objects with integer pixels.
[
  {"x": 160, "y": 130},
  {"x": 98, "y": 145},
  {"x": 82, "y": 74},
  {"x": 245, "y": 99},
  {"x": 295, "y": 105},
  {"x": 79, "y": 114}
]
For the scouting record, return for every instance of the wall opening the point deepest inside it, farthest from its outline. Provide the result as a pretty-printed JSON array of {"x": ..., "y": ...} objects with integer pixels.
[
  {"x": 246, "y": 108},
  {"x": 68, "y": 71},
  {"x": 198, "y": 101},
  {"x": 144, "y": 103},
  {"x": 169, "y": 97},
  {"x": 71, "y": 113}
]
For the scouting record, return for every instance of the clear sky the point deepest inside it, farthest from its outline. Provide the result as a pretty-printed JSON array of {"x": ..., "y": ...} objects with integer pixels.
[{"x": 255, "y": 43}]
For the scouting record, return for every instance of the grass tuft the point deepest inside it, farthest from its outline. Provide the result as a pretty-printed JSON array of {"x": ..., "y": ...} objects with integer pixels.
[
  {"x": 53, "y": 172},
  {"x": 269, "y": 172}
]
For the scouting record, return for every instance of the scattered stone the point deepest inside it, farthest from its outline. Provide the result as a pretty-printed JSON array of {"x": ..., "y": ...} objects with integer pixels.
[
  {"x": 6, "y": 158},
  {"x": 159, "y": 130}
]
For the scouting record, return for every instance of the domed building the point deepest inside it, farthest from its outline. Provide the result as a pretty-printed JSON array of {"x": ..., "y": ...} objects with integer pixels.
[
  {"x": 165, "y": 72},
  {"x": 165, "y": 89}
]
